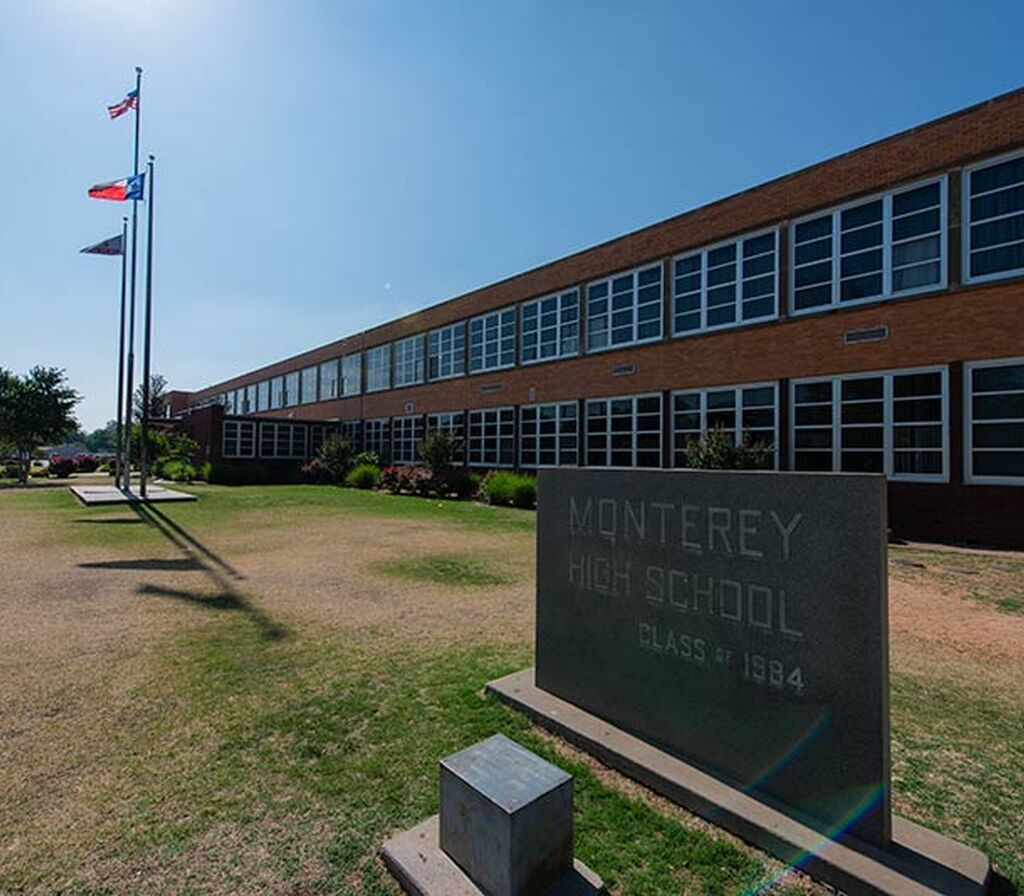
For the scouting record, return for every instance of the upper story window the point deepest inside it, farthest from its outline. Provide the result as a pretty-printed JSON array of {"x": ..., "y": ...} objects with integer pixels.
[
  {"x": 291, "y": 388},
  {"x": 994, "y": 216},
  {"x": 329, "y": 380},
  {"x": 250, "y": 398},
  {"x": 277, "y": 393},
  {"x": 492, "y": 341},
  {"x": 887, "y": 246},
  {"x": 378, "y": 368},
  {"x": 551, "y": 327},
  {"x": 351, "y": 374},
  {"x": 624, "y": 309},
  {"x": 446, "y": 351},
  {"x": 740, "y": 412},
  {"x": 309, "y": 385},
  {"x": 726, "y": 285},
  {"x": 263, "y": 396},
  {"x": 994, "y": 399},
  {"x": 408, "y": 361}
]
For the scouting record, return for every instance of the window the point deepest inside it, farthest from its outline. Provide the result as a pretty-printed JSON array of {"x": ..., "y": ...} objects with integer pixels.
[
  {"x": 408, "y": 361},
  {"x": 492, "y": 439},
  {"x": 229, "y": 403},
  {"x": 726, "y": 285},
  {"x": 309, "y": 385},
  {"x": 446, "y": 351},
  {"x": 551, "y": 327},
  {"x": 329, "y": 380},
  {"x": 378, "y": 368},
  {"x": 239, "y": 438},
  {"x": 994, "y": 213},
  {"x": 352, "y": 430},
  {"x": 263, "y": 396},
  {"x": 736, "y": 410},
  {"x": 995, "y": 421},
  {"x": 377, "y": 438},
  {"x": 406, "y": 435},
  {"x": 450, "y": 422},
  {"x": 318, "y": 434},
  {"x": 351, "y": 374},
  {"x": 624, "y": 432},
  {"x": 549, "y": 435},
  {"x": 250, "y": 399},
  {"x": 282, "y": 440},
  {"x": 887, "y": 246},
  {"x": 492, "y": 341},
  {"x": 291, "y": 389},
  {"x": 891, "y": 423},
  {"x": 624, "y": 309}
]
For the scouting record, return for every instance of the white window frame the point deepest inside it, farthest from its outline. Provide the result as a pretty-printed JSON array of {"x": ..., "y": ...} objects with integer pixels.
[
  {"x": 250, "y": 398},
  {"x": 277, "y": 393},
  {"x": 453, "y": 423},
  {"x": 382, "y": 355},
  {"x": 238, "y": 426},
  {"x": 401, "y": 439},
  {"x": 483, "y": 318},
  {"x": 887, "y": 294},
  {"x": 375, "y": 423},
  {"x": 560, "y": 297},
  {"x": 703, "y": 252},
  {"x": 449, "y": 354},
  {"x": 275, "y": 454},
  {"x": 416, "y": 349},
  {"x": 965, "y": 223},
  {"x": 968, "y": 393},
  {"x": 292, "y": 385},
  {"x": 557, "y": 405},
  {"x": 635, "y": 273},
  {"x": 472, "y": 453},
  {"x": 888, "y": 424},
  {"x": 263, "y": 396},
  {"x": 585, "y": 432},
  {"x": 314, "y": 372},
  {"x": 345, "y": 388},
  {"x": 737, "y": 391},
  {"x": 329, "y": 373}
]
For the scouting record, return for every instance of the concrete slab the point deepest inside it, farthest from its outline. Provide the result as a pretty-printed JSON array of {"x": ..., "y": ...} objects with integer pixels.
[
  {"x": 422, "y": 869},
  {"x": 97, "y": 495},
  {"x": 919, "y": 862}
]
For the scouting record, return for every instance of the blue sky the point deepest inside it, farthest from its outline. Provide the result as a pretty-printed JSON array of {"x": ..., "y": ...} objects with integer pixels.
[{"x": 323, "y": 167}]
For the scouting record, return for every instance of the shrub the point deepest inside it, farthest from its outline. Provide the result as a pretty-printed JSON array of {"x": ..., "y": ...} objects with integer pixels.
[
  {"x": 205, "y": 470},
  {"x": 336, "y": 457},
  {"x": 363, "y": 476},
  {"x": 508, "y": 489},
  {"x": 409, "y": 480},
  {"x": 717, "y": 450},
  {"x": 10, "y": 471},
  {"x": 61, "y": 467},
  {"x": 314, "y": 472},
  {"x": 178, "y": 471},
  {"x": 456, "y": 482},
  {"x": 439, "y": 450},
  {"x": 86, "y": 463}
]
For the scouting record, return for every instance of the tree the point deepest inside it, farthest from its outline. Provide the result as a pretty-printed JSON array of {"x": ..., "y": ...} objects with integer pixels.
[
  {"x": 35, "y": 410},
  {"x": 439, "y": 450},
  {"x": 102, "y": 440},
  {"x": 158, "y": 400},
  {"x": 716, "y": 449}
]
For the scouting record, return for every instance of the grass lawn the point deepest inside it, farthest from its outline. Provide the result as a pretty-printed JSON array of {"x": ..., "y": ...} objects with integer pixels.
[{"x": 249, "y": 693}]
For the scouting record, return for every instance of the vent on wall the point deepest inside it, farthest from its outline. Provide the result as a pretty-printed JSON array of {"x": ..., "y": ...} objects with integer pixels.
[
  {"x": 871, "y": 334},
  {"x": 623, "y": 369},
  {"x": 491, "y": 387}
]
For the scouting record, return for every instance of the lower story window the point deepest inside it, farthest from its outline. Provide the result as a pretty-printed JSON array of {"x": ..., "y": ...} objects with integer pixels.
[
  {"x": 318, "y": 434},
  {"x": 549, "y": 435},
  {"x": 282, "y": 440},
  {"x": 352, "y": 430},
  {"x": 492, "y": 440},
  {"x": 995, "y": 421},
  {"x": 892, "y": 423},
  {"x": 740, "y": 412},
  {"x": 624, "y": 432},
  {"x": 451, "y": 422},
  {"x": 406, "y": 435},
  {"x": 377, "y": 438},
  {"x": 239, "y": 438}
]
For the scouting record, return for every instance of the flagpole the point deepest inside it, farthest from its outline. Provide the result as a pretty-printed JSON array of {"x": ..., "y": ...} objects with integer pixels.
[
  {"x": 119, "y": 465},
  {"x": 131, "y": 312},
  {"x": 147, "y": 335}
]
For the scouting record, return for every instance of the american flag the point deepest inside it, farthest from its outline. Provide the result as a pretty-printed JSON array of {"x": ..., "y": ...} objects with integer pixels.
[{"x": 131, "y": 101}]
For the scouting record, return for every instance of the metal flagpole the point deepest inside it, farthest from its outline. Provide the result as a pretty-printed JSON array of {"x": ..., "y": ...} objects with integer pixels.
[
  {"x": 119, "y": 465},
  {"x": 131, "y": 303},
  {"x": 147, "y": 333}
]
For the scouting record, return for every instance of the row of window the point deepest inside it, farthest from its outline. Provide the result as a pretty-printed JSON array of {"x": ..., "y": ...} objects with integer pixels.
[
  {"x": 873, "y": 249},
  {"x": 895, "y": 422}
]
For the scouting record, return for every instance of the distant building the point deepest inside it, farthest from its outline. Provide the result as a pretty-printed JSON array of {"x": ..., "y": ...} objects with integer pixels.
[{"x": 863, "y": 314}]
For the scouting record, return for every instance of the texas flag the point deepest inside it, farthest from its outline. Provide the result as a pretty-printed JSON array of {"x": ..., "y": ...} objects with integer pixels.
[
  {"x": 131, "y": 101},
  {"x": 119, "y": 190}
]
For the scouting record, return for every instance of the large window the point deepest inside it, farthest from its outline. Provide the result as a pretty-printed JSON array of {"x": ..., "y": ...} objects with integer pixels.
[
  {"x": 492, "y": 437},
  {"x": 282, "y": 440},
  {"x": 624, "y": 309},
  {"x": 492, "y": 341},
  {"x": 892, "y": 423},
  {"x": 352, "y": 430},
  {"x": 263, "y": 396},
  {"x": 377, "y": 438},
  {"x": 995, "y": 421},
  {"x": 250, "y": 399},
  {"x": 549, "y": 435},
  {"x": 239, "y": 439},
  {"x": 291, "y": 388},
  {"x": 446, "y": 351},
  {"x": 318, "y": 433},
  {"x": 406, "y": 435},
  {"x": 624, "y": 432},
  {"x": 277, "y": 393},
  {"x": 450, "y": 422},
  {"x": 738, "y": 411},
  {"x": 408, "y": 361},
  {"x": 351, "y": 374},
  {"x": 329, "y": 380},
  {"x": 551, "y": 327},
  {"x": 886, "y": 246},
  {"x": 994, "y": 215},
  {"x": 309, "y": 385},
  {"x": 726, "y": 285},
  {"x": 378, "y": 368}
]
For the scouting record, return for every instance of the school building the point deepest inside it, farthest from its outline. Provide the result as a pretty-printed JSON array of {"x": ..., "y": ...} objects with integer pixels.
[{"x": 863, "y": 314}]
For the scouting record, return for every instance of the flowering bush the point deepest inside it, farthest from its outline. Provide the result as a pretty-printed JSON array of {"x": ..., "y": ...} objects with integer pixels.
[
  {"x": 408, "y": 480},
  {"x": 86, "y": 463},
  {"x": 315, "y": 471},
  {"x": 61, "y": 467}
]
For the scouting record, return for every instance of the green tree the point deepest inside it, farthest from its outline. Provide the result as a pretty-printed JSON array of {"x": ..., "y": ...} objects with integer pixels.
[
  {"x": 716, "y": 449},
  {"x": 102, "y": 440},
  {"x": 439, "y": 450},
  {"x": 158, "y": 401},
  {"x": 337, "y": 455},
  {"x": 35, "y": 409}
]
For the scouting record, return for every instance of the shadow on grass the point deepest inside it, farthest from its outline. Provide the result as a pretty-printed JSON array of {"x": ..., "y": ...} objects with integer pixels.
[
  {"x": 230, "y": 600},
  {"x": 1001, "y": 886},
  {"x": 182, "y": 565},
  {"x": 114, "y": 522}
]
